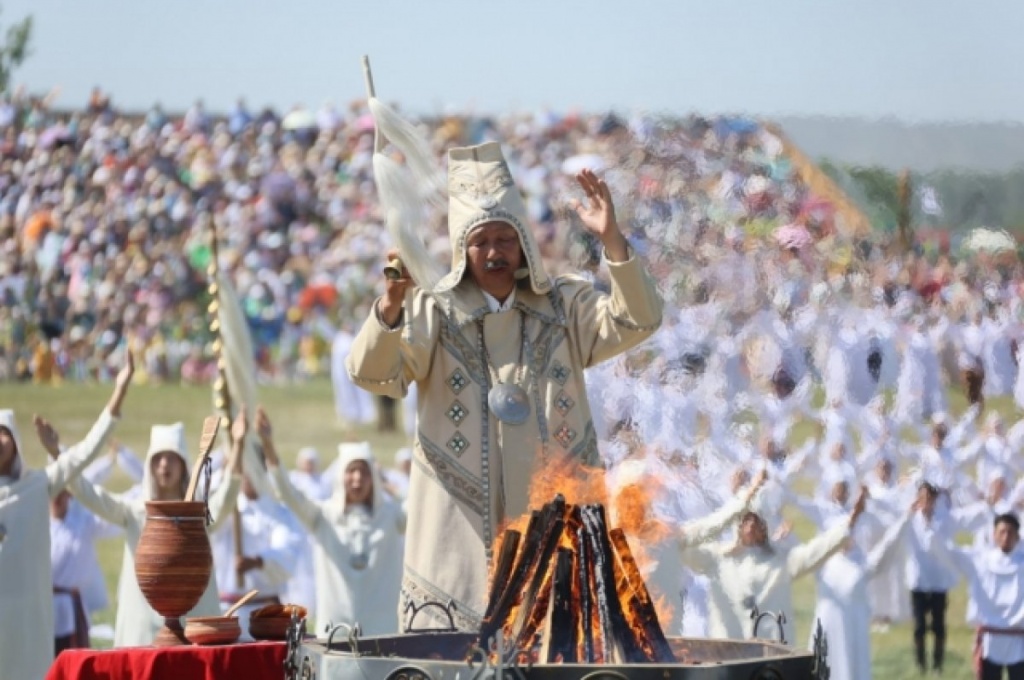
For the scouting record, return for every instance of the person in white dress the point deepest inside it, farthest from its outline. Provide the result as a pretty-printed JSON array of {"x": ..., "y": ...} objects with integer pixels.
[
  {"x": 887, "y": 589},
  {"x": 353, "y": 406},
  {"x": 80, "y": 589},
  {"x": 270, "y": 549},
  {"x": 166, "y": 478},
  {"x": 997, "y": 357},
  {"x": 26, "y": 590},
  {"x": 315, "y": 485},
  {"x": 843, "y": 607},
  {"x": 73, "y": 566},
  {"x": 919, "y": 389},
  {"x": 360, "y": 539}
]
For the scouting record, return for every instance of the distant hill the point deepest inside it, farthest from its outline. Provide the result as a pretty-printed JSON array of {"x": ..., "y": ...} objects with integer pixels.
[{"x": 921, "y": 147}]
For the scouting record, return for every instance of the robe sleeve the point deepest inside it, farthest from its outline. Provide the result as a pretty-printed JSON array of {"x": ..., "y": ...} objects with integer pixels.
[
  {"x": 279, "y": 560},
  {"x": 62, "y": 471},
  {"x": 222, "y": 500},
  {"x": 107, "y": 506},
  {"x": 99, "y": 471},
  {"x": 708, "y": 528},
  {"x": 883, "y": 552},
  {"x": 607, "y": 325},
  {"x": 952, "y": 557},
  {"x": 385, "y": 361},
  {"x": 807, "y": 557},
  {"x": 307, "y": 512}
]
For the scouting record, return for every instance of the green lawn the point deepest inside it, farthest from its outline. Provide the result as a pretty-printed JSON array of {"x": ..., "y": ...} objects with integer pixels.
[{"x": 304, "y": 416}]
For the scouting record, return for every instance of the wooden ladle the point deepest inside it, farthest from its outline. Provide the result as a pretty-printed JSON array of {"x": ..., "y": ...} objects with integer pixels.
[
  {"x": 210, "y": 427},
  {"x": 241, "y": 601}
]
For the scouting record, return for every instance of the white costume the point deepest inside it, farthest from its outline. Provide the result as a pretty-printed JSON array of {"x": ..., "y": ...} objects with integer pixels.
[
  {"x": 761, "y": 576},
  {"x": 919, "y": 388},
  {"x": 74, "y": 564},
  {"x": 137, "y": 623},
  {"x": 358, "y": 555},
  {"x": 26, "y": 591},
  {"x": 301, "y": 586},
  {"x": 353, "y": 405},
  {"x": 265, "y": 534},
  {"x": 995, "y": 582},
  {"x": 843, "y": 608}
]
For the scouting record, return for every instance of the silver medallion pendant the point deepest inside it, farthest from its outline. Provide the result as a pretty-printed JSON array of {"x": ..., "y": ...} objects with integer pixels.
[{"x": 509, "y": 403}]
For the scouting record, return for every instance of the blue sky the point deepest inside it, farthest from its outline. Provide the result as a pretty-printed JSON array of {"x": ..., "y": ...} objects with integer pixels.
[{"x": 935, "y": 60}]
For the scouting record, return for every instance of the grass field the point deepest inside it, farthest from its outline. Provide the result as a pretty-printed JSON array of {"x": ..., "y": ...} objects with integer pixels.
[{"x": 304, "y": 416}]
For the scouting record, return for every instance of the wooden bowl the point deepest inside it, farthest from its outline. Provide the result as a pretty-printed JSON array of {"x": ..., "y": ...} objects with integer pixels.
[
  {"x": 269, "y": 628},
  {"x": 212, "y": 630}
]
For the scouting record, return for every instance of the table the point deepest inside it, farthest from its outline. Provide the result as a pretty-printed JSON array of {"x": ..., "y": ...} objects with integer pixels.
[{"x": 252, "y": 661}]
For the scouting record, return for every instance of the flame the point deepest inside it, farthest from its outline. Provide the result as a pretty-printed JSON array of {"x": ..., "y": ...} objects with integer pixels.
[
  {"x": 666, "y": 612},
  {"x": 630, "y": 506},
  {"x": 579, "y": 484}
]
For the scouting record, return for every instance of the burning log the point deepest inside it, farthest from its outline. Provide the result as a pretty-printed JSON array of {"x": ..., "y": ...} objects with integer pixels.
[
  {"x": 528, "y": 617},
  {"x": 538, "y": 533},
  {"x": 510, "y": 589},
  {"x": 642, "y": 606},
  {"x": 560, "y": 641},
  {"x": 503, "y": 569},
  {"x": 576, "y": 587},
  {"x": 588, "y": 652},
  {"x": 620, "y": 642}
]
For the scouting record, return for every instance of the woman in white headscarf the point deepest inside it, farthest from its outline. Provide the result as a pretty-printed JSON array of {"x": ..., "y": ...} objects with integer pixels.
[
  {"x": 26, "y": 590},
  {"x": 359, "y": 536},
  {"x": 165, "y": 478}
]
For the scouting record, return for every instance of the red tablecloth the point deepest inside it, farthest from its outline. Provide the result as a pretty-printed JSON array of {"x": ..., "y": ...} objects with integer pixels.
[{"x": 251, "y": 661}]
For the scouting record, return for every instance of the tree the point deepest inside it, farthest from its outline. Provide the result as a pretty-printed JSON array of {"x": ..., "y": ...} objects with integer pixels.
[{"x": 14, "y": 50}]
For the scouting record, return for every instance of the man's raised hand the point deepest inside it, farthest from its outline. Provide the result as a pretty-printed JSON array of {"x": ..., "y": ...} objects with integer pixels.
[
  {"x": 121, "y": 383},
  {"x": 598, "y": 215},
  {"x": 266, "y": 432},
  {"x": 48, "y": 436}
]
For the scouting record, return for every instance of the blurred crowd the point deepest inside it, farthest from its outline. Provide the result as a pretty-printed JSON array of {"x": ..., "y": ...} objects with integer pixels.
[{"x": 106, "y": 218}]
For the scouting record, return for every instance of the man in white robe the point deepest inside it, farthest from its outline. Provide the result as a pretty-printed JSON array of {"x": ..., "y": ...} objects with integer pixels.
[
  {"x": 26, "y": 591},
  {"x": 166, "y": 477},
  {"x": 360, "y": 539},
  {"x": 995, "y": 578},
  {"x": 929, "y": 581}
]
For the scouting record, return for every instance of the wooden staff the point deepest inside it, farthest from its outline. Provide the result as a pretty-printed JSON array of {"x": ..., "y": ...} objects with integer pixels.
[{"x": 222, "y": 398}]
